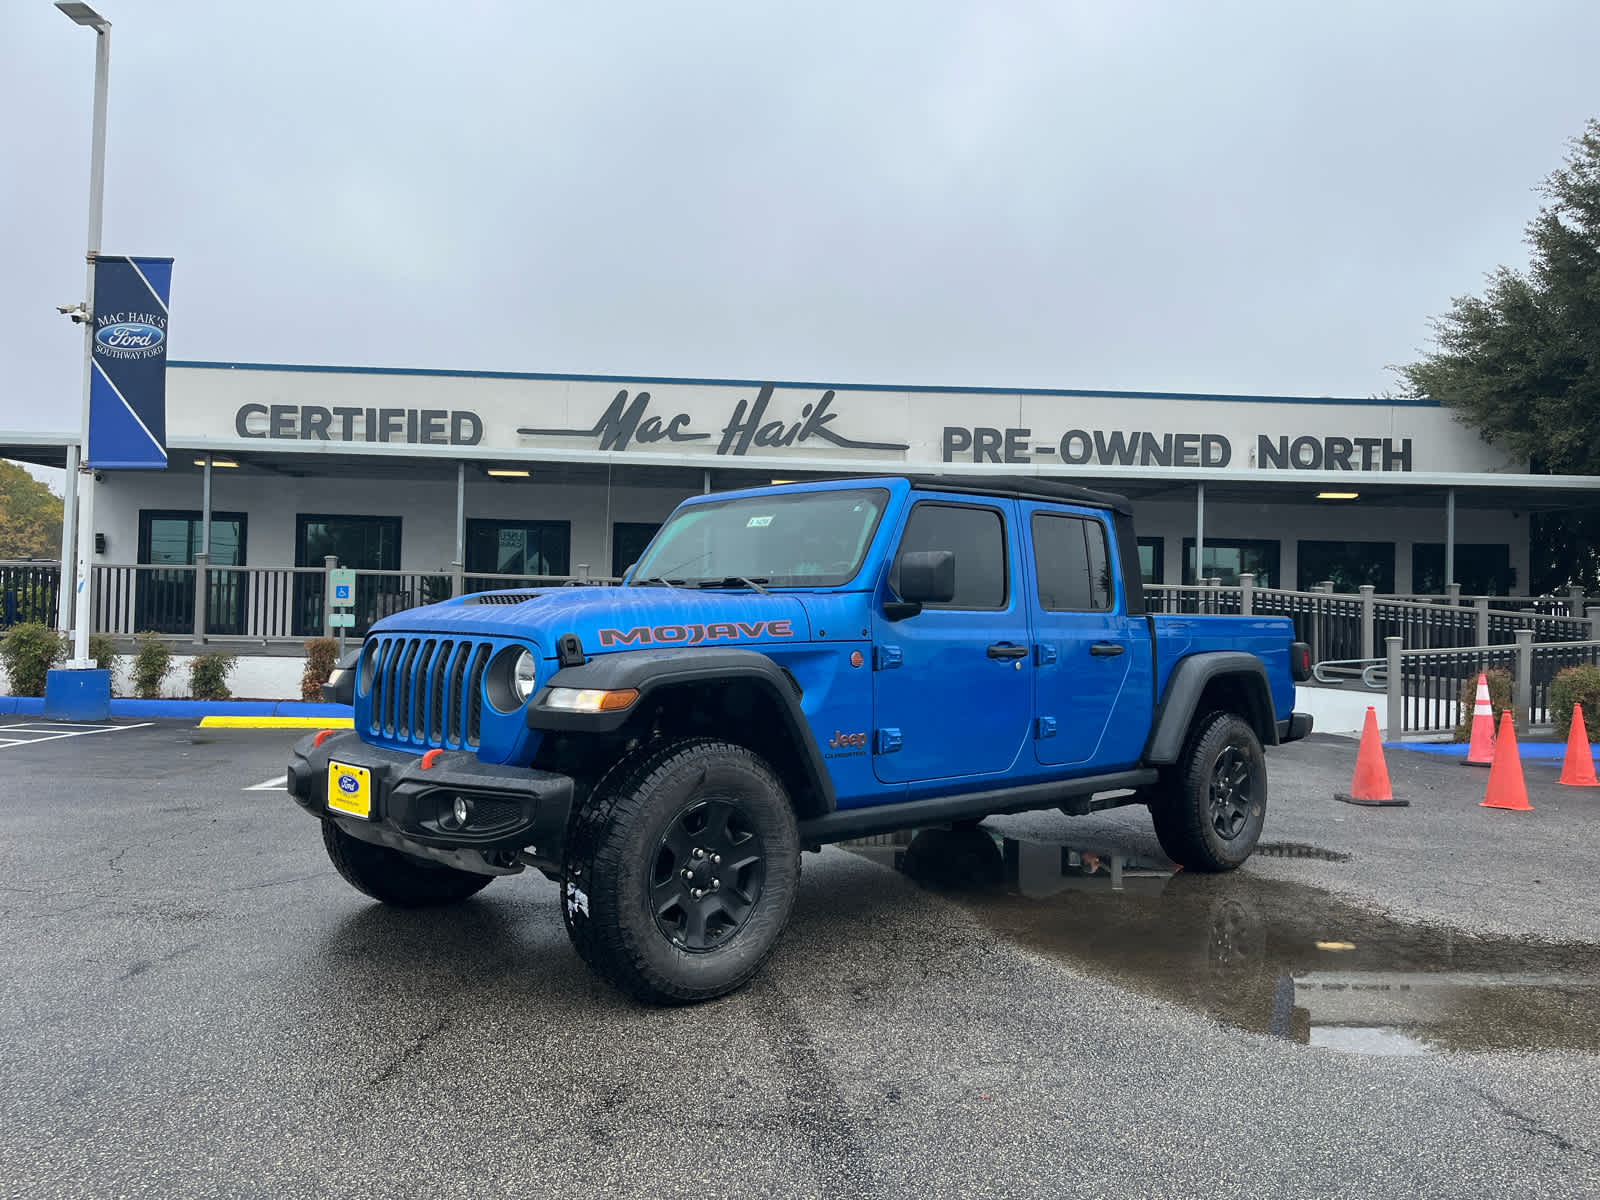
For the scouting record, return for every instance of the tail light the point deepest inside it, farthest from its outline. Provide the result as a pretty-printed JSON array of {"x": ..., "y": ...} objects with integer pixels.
[{"x": 1299, "y": 661}]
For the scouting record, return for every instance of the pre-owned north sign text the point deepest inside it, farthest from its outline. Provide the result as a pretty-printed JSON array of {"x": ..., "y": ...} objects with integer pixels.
[{"x": 1107, "y": 448}]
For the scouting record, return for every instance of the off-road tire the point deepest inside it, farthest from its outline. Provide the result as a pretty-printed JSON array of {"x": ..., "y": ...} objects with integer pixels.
[
  {"x": 398, "y": 879},
  {"x": 1211, "y": 804},
  {"x": 621, "y": 841}
]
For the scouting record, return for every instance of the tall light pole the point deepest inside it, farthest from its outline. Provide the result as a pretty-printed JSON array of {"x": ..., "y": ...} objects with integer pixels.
[{"x": 82, "y": 14}]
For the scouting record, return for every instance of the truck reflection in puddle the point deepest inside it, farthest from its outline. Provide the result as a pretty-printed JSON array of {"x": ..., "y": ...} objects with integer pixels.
[{"x": 1267, "y": 956}]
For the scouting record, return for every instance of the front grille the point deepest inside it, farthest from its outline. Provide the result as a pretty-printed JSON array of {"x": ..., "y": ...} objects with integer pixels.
[{"x": 428, "y": 691}]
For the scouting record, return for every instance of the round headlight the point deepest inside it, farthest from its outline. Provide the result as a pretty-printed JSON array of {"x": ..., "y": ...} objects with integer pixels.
[{"x": 522, "y": 677}]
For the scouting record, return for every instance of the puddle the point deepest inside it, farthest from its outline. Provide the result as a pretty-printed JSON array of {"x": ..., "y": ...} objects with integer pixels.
[{"x": 1264, "y": 955}]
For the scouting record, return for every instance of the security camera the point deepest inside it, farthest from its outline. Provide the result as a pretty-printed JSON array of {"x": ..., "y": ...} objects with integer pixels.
[
  {"x": 78, "y": 312},
  {"x": 66, "y": 308}
]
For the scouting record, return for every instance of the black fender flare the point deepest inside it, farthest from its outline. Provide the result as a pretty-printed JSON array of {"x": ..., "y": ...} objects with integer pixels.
[
  {"x": 648, "y": 671},
  {"x": 1188, "y": 682}
]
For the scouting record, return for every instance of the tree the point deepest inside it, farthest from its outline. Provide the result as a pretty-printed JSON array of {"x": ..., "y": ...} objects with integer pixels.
[
  {"x": 30, "y": 516},
  {"x": 1522, "y": 362}
]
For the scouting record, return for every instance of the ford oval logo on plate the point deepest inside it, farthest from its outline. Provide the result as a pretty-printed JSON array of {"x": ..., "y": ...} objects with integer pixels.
[
  {"x": 129, "y": 335},
  {"x": 349, "y": 783}
]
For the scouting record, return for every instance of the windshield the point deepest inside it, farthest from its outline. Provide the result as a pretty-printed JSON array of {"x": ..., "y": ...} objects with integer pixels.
[{"x": 793, "y": 539}]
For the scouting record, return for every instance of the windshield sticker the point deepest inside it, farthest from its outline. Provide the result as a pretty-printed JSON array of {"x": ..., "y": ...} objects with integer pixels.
[
  {"x": 758, "y": 522},
  {"x": 694, "y": 635}
]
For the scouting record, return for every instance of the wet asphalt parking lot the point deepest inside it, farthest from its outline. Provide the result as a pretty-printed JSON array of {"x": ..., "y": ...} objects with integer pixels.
[{"x": 1383, "y": 1003}]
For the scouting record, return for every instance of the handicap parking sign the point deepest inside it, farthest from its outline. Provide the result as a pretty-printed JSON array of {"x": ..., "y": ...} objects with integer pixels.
[{"x": 342, "y": 585}]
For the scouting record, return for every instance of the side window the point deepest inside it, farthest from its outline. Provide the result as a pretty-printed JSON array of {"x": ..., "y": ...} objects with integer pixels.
[
  {"x": 977, "y": 536},
  {"x": 1072, "y": 563}
]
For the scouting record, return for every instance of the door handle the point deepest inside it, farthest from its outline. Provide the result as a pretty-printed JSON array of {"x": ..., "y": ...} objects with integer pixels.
[
  {"x": 1007, "y": 650},
  {"x": 1105, "y": 649}
]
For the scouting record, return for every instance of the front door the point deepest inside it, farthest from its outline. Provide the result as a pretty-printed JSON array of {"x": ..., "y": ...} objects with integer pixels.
[{"x": 952, "y": 686}]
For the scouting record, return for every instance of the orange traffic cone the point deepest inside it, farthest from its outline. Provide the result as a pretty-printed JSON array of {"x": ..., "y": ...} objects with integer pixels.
[
  {"x": 1481, "y": 751},
  {"x": 1506, "y": 786},
  {"x": 1577, "y": 769},
  {"x": 1371, "y": 783}
]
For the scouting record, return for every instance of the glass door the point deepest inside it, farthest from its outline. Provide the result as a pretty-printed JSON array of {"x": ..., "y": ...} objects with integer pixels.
[{"x": 361, "y": 543}]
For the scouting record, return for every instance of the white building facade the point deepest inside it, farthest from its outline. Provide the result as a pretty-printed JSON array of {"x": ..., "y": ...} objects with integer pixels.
[{"x": 483, "y": 476}]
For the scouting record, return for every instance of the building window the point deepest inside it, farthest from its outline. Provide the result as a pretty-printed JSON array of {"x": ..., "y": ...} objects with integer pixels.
[
  {"x": 1348, "y": 564},
  {"x": 172, "y": 538},
  {"x": 1071, "y": 563},
  {"x": 496, "y": 547},
  {"x": 1482, "y": 569},
  {"x": 164, "y": 600},
  {"x": 1152, "y": 560},
  {"x": 628, "y": 540},
  {"x": 1228, "y": 558},
  {"x": 978, "y": 538},
  {"x": 362, "y": 543}
]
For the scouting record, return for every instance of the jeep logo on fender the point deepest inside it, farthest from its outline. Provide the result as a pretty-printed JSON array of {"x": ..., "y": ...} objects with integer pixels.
[{"x": 693, "y": 635}]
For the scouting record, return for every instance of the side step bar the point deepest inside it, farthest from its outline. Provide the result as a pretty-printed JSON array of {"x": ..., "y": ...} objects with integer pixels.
[{"x": 936, "y": 810}]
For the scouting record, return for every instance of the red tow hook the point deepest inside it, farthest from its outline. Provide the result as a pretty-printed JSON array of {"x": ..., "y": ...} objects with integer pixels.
[
  {"x": 322, "y": 736},
  {"x": 431, "y": 757}
]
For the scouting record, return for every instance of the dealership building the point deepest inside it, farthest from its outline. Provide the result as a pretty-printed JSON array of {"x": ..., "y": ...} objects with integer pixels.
[{"x": 478, "y": 478}]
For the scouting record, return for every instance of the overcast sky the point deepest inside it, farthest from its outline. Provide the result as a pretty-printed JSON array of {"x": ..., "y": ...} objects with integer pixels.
[{"x": 1212, "y": 197}]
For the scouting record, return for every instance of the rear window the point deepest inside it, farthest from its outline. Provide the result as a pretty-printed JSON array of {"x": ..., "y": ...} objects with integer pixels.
[{"x": 1072, "y": 562}]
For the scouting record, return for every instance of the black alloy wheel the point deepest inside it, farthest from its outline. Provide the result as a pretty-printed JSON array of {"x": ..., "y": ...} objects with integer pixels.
[
  {"x": 1233, "y": 788},
  {"x": 709, "y": 869},
  {"x": 680, "y": 870},
  {"x": 1210, "y": 806}
]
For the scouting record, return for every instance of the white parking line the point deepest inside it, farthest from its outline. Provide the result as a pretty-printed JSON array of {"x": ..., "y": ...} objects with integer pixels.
[
  {"x": 54, "y": 731},
  {"x": 276, "y": 784}
]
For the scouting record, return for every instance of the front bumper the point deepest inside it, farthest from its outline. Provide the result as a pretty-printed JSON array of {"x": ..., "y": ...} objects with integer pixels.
[{"x": 517, "y": 815}]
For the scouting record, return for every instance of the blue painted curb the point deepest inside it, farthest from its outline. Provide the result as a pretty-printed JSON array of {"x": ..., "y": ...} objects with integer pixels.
[
  {"x": 1539, "y": 751},
  {"x": 33, "y": 706}
]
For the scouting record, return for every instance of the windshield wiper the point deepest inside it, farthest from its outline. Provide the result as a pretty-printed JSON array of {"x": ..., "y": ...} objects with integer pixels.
[
  {"x": 655, "y": 579},
  {"x": 734, "y": 580}
]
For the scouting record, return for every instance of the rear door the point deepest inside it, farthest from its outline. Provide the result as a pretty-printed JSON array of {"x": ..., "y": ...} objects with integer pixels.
[
  {"x": 1091, "y": 660},
  {"x": 952, "y": 690}
]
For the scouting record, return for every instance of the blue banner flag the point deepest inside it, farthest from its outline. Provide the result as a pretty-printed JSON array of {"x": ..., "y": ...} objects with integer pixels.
[{"x": 128, "y": 389}]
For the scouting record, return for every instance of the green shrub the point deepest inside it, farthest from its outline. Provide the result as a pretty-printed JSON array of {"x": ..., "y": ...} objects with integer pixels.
[
  {"x": 1500, "y": 698},
  {"x": 208, "y": 675},
  {"x": 1576, "y": 685},
  {"x": 152, "y": 659},
  {"x": 29, "y": 650},
  {"x": 322, "y": 654}
]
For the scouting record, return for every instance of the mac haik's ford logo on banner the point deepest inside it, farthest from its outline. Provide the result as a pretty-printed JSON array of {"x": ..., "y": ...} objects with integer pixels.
[{"x": 128, "y": 390}]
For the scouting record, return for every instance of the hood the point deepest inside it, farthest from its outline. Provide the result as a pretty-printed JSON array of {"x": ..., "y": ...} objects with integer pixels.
[{"x": 614, "y": 618}]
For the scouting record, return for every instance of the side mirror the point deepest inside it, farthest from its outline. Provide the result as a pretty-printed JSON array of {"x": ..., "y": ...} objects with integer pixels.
[
  {"x": 341, "y": 685},
  {"x": 926, "y": 577}
]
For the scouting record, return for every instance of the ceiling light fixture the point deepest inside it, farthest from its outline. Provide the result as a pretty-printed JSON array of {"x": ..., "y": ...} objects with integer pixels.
[
  {"x": 506, "y": 473},
  {"x": 1338, "y": 495},
  {"x": 216, "y": 462}
]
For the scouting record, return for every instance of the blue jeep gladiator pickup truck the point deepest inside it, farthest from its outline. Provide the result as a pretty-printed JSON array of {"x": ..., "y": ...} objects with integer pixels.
[{"x": 786, "y": 667}]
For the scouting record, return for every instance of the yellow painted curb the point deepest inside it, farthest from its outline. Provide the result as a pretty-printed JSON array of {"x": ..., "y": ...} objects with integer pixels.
[{"x": 277, "y": 723}]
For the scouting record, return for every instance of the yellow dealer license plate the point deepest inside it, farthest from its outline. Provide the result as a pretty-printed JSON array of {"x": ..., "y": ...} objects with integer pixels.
[{"x": 350, "y": 789}]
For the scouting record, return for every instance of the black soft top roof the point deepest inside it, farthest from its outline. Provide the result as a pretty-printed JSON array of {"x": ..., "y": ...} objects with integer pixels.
[{"x": 1023, "y": 487}]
